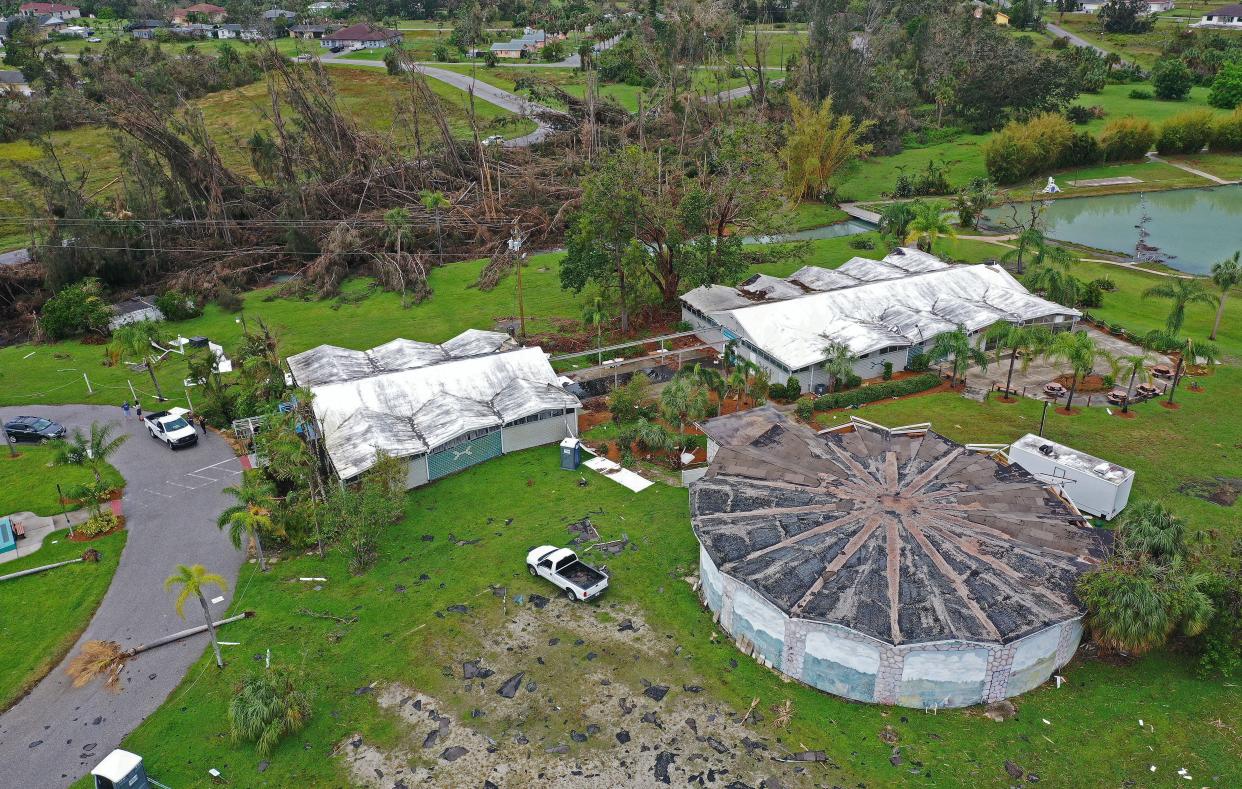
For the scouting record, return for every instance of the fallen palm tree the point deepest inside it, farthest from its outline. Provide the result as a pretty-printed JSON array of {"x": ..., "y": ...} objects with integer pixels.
[{"x": 106, "y": 659}]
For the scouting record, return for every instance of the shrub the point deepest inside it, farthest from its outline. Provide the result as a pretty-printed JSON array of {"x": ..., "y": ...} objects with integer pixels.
[
  {"x": 888, "y": 371},
  {"x": 267, "y": 706},
  {"x": 869, "y": 394},
  {"x": 1084, "y": 149},
  {"x": 1227, "y": 87},
  {"x": 1060, "y": 43},
  {"x": 680, "y": 326},
  {"x": 919, "y": 363},
  {"x": 78, "y": 309},
  {"x": 861, "y": 242},
  {"x": 1141, "y": 94},
  {"x": 229, "y": 300},
  {"x": 441, "y": 53},
  {"x": 1021, "y": 150},
  {"x": 1091, "y": 296},
  {"x": 1077, "y": 113},
  {"x": 1186, "y": 132},
  {"x": 97, "y": 524},
  {"x": 1171, "y": 79},
  {"x": 1127, "y": 138},
  {"x": 805, "y": 408},
  {"x": 177, "y": 306},
  {"x": 793, "y": 388},
  {"x": 1227, "y": 133},
  {"x": 1105, "y": 284}
]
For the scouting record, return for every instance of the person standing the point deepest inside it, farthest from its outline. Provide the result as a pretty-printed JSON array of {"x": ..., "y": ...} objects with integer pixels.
[
  {"x": 125, "y": 408},
  {"x": 138, "y": 410},
  {"x": 202, "y": 424}
]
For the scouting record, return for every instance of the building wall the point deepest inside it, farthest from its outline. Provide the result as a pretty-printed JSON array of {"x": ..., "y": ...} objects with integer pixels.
[
  {"x": 416, "y": 472},
  {"x": 534, "y": 434},
  {"x": 856, "y": 666}
]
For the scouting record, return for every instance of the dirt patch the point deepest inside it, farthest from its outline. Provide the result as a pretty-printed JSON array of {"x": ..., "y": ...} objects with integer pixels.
[
  {"x": 1089, "y": 385},
  {"x": 569, "y": 695},
  {"x": 1221, "y": 490}
]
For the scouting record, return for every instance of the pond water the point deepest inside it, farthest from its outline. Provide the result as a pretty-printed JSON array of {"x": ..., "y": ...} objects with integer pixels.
[
  {"x": 1190, "y": 228},
  {"x": 851, "y": 227}
]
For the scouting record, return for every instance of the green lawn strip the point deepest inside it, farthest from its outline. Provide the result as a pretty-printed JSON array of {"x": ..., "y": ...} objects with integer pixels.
[
  {"x": 1222, "y": 165},
  {"x": 28, "y": 482},
  {"x": 45, "y": 613},
  {"x": 810, "y": 214},
  {"x": 1154, "y": 176},
  {"x": 398, "y": 638}
]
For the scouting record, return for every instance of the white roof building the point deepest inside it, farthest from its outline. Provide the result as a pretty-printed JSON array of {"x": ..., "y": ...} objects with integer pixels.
[
  {"x": 444, "y": 406},
  {"x": 881, "y": 309}
]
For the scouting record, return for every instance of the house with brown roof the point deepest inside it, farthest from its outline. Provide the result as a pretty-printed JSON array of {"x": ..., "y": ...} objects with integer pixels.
[
  {"x": 362, "y": 36},
  {"x": 213, "y": 13},
  {"x": 41, "y": 9}
]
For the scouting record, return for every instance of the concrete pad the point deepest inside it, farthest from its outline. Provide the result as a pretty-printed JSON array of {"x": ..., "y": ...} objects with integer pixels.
[
  {"x": 1125, "y": 179},
  {"x": 622, "y": 476}
]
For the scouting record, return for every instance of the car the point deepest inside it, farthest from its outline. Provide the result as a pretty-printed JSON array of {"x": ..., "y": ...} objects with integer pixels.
[
  {"x": 94, "y": 39},
  {"x": 172, "y": 428},
  {"x": 303, "y": 58},
  {"x": 34, "y": 429},
  {"x": 563, "y": 568},
  {"x": 492, "y": 140},
  {"x": 336, "y": 49}
]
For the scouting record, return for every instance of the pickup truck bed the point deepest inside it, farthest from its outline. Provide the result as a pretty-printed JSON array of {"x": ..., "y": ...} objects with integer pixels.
[{"x": 581, "y": 575}]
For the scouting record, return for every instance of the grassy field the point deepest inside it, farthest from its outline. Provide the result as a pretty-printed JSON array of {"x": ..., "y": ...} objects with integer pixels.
[
  {"x": 367, "y": 95},
  {"x": 1142, "y": 48},
  {"x": 28, "y": 482},
  {"x": 963, "y": 156},
  {"x": 45, "y": 613}
]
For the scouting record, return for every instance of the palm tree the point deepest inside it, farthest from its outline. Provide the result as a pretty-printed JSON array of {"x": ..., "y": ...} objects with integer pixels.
[
  {"x": 434, "y": 202},
  {"x": 91, "y": 451},
  {"x": 1031, "y": 238},
  {"x": 707, "y": 378},
  {"x": 1079, "y": 351},
  {"x": 251, "y": 516},
  {"x": 929, "y": 225},
  {"x": 1025, "y": 341},
  {"x": 266, "y": 707},
  {"x": 683, "y": 400},
  {"x": 1132, "y": 366},
  {"x": 760, "y": 383},
  {"x": 595, "y": 315},
  {"x": 136, "y": 339},
  {"x": 957, "y": 344},
  {"x": 736, "y": 383},
  {"x": 895, "y": 219},
  {"x": 1181, "y": 292},
  {"x": 193, "y": 580},
  {"x": 839, "y": 362},
  {"x": 1225, "y": 275},
  {"x": 1193, "y": 351}
]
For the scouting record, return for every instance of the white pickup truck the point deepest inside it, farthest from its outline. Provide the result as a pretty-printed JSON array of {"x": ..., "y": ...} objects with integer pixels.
[
  {"x": 561, "y": 566},
  {"x": 172, "y": 428}
]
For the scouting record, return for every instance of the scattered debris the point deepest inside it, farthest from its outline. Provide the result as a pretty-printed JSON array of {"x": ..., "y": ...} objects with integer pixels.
[
  {"x": 1000, "y": 711},
  {"x": 510, "y": 688}
]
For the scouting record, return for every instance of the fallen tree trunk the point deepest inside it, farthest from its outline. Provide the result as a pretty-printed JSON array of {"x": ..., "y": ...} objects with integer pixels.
[
  {"x": 34, "y": 570},
  {"x": 191, "y": 631}
]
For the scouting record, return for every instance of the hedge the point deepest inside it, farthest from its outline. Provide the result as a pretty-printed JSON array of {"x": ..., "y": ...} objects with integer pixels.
[{"x": 880, "y": 391}]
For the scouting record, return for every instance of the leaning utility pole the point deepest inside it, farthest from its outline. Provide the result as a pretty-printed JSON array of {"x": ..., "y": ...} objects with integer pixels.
[{"x": 515, "y": 247}]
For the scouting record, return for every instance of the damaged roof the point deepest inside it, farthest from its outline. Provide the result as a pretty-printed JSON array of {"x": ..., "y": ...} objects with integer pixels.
[
  {"x": 905, "y": 299},
  {"x": 907, "y": 537},
  {"x": 407, "y": 398}
]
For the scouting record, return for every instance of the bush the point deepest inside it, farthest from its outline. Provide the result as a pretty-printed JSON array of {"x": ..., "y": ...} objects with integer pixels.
[
  {"x": 805, "y": 408},
  {"x": 1141, "y": 94},
  {"x": 229, "y": 300},
  {"x": 78, "y": 309},
  {"x": 919, "y": 363},
  {"x": 680, "y": 326},
  {"x": 1021, "y": 150},
  {"x": 887, "y": 375},
  {"x": 1077, "y": 113},
  {"x": 793, "y": 388},
  {"x": 1171, "y": 79},
  {"x": 1127, "y": 138},
  {"x": 933, "y": 180},
  {"x": 95, "y": 525},
  {"x": 1227, "y": 87},
  {"x": 1083, "y": 150},
  {"x": 1186, "y": 132},
  {"x": 1227, "y": 133},
  {"x": 869, "y": 394},
  {"x": 1105, "y": 284},
  {"x": 1091, "y": 296},
  {"x": 861, "y": 242},
  {"x": 177, "y": 306},
  {"x": 1060, "y": 43}
]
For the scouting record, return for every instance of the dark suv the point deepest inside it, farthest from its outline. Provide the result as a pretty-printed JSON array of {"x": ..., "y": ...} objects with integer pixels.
[{"x": 34, "y": 428}]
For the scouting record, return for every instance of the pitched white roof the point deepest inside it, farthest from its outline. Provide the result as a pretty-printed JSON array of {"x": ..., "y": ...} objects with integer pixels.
[
  {"x": 329, "y": 363},
  {"x": 905, "y": 299},
  {"x": 410, "y": 411}
]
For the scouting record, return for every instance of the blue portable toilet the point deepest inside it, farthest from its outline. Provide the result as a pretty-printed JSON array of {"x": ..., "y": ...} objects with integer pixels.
[
  {"x": 571, "y": 454},
  {"x": 121, "y": 770}
]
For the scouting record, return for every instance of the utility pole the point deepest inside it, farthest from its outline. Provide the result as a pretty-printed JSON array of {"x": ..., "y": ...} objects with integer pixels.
[
  {"x": 1043, "y": 417},
  {"x": 515, "y": 247},
  {"x": 8, "y": 440}
]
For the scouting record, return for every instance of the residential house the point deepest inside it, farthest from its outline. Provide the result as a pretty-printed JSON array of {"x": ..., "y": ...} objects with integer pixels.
[
  {"x": 362, "y": 35},
  {"x": 213, "y": 13},
  {"x": 311, "y": 32},
  {"x": 42, "y": 9},
  {"x": 1153, "y": 6},
  {"x": 13, "y": 81},
  {"x": 885, "y": 311},
  {"x": 1001, "y": 18},
  {"x": 324, "y": 7},
  {"x": 513, "y": 49},
  {"x": 279, "y": 13},
  {"x": 145, "y": 28},
  {"x": 1229, "y": 16}
]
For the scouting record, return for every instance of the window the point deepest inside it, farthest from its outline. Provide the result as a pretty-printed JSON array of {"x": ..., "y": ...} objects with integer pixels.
[
  {"x": 465, "y": 437},
  {"x": 547, "y": 413}
]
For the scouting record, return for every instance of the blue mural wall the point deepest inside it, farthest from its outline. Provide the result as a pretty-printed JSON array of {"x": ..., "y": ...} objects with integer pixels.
[
  {"x": 1034, "y": 660},
  {"x": 840, "y": 666},
  {"x": 760, "y": 622},
  {"x": 952, "y": 678}
]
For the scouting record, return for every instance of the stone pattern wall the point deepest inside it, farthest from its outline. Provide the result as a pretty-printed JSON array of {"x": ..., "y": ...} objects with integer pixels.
[{"x": 888, "y": 680}]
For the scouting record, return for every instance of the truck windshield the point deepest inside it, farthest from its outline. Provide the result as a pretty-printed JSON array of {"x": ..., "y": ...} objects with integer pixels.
[{"x": 175, "y": 424}]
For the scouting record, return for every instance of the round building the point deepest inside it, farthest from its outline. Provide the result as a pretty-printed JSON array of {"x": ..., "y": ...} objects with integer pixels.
[{"x": 889, "y": 566}]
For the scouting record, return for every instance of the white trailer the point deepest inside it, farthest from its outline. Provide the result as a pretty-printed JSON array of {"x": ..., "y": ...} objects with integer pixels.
[{"x": 1095, "y": 486}]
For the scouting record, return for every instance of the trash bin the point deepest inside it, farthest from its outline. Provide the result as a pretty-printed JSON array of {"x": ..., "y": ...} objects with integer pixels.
[{"x": 571, "y": 454}]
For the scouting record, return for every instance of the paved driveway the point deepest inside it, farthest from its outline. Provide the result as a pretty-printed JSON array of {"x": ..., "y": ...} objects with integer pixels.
[{"x": 58, "y": 732}]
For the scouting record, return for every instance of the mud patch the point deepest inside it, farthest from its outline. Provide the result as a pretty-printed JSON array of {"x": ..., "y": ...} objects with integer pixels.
[{"x": 1221, "y": 490}]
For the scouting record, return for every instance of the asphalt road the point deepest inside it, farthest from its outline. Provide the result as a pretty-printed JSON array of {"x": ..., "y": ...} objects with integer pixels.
[{"x": 171, "y": 501}]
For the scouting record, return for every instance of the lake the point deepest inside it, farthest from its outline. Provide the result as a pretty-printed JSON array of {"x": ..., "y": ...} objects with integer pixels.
[{"x": 1190, "y": 228}]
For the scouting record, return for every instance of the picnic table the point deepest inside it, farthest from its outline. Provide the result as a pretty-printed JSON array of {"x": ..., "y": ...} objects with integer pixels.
[{"x": 1054, "y": 389}]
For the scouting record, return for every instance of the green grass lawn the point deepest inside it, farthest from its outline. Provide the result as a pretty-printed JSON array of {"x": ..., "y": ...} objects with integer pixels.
[
  {"x": 28, "y": 482},
  {"x": 45, "y": 613},
  {"x": 810, "y": 213},
  {"x": 1221, "y": 165}
]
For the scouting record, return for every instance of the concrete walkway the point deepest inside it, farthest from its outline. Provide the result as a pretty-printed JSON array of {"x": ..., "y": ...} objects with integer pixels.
[
  {"x": 1188, "y": 169},
  {"x": 171, "y": 502},
  {"x": 37, "y": 528}
]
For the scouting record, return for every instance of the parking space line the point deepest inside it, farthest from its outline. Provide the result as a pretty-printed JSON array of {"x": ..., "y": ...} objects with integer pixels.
[{"x": 156, "y": 492}]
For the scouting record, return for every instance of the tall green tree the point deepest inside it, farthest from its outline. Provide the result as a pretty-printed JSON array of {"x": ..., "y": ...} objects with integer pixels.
[
  {"x": 895, "y": 219},
  {"x": 956, "y": 345},
  {"x": 136, "y": 339},
  {"x": 251, "y": 517},
  {"x": 1181, "y": 292},
  {"x": 193, "y": 580},
  {"x": 1031, "y": 241},
  {"x": 1131, "y": 366},
  {"x": 683, "y": 401},
  {"x": 1025, "y": 342},
  {"x": 1226, "y": 275},
  {"x": 928, "y": 226},
  {"x": 839, "y": 363},
  {"x": 1079, "y": 351},
  {"x": 819, "y": 144}
]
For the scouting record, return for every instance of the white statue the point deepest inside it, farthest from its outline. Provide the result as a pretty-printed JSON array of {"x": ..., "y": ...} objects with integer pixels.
[{"x": 1052, "y": 187}]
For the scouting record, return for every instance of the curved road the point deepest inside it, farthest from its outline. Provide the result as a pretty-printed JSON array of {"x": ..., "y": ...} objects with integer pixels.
[{"x": 171, "y": 501}]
